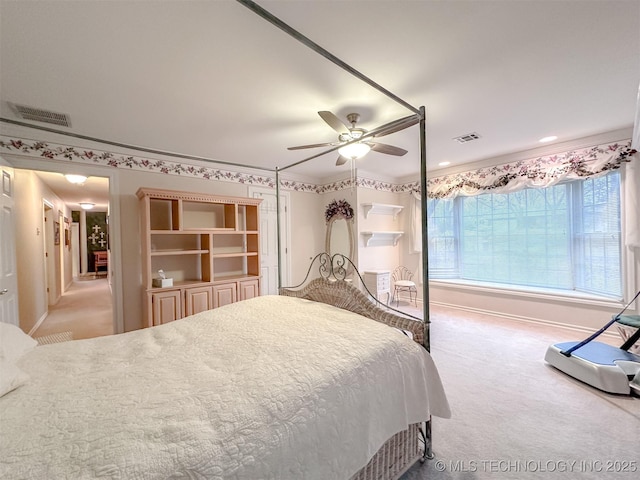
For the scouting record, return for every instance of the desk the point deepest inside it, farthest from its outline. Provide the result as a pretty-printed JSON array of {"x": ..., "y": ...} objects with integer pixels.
[{"x": 100, "y": 259}]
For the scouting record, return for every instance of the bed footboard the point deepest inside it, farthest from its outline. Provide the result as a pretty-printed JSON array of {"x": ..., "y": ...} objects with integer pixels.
[{"x": 395, "y": 457}]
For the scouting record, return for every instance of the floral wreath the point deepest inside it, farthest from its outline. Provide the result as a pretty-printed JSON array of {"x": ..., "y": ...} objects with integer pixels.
[{"x": 338, "y": 207}]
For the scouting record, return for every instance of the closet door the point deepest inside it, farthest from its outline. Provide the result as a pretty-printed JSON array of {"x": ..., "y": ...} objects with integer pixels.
[{"x": 8, "y": 270}]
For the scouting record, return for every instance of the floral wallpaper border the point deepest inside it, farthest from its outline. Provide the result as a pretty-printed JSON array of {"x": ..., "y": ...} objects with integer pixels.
[
  {"x": 537, "y": 172},
  {"x": 169, "y": 167}
]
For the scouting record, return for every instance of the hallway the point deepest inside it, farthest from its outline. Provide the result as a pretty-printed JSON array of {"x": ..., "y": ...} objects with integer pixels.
[{"x": 84, "y": 310}]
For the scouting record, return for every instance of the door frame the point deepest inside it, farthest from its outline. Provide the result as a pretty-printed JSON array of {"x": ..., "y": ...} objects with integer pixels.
[
  {"x": 48, "y": 254},
  {"x": 285, "y": 231},
  {"x": 26, "y": 162}
]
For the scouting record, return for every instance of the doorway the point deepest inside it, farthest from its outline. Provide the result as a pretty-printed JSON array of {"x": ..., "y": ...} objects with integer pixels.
[
  {"x": 62, "y": 300},
  {"x": 48, "y": 256}
]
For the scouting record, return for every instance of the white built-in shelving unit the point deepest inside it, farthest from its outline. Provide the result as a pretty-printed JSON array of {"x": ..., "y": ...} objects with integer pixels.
[{"x": 381, "y": 237}]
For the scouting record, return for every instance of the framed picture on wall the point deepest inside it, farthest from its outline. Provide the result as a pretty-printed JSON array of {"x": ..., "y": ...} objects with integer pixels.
[
  {"x": 67, "y": 237},
  {"x": 56, "y": 233}
]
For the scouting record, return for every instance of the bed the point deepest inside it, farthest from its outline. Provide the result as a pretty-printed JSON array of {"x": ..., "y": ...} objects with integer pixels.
[{"x": 286, "y": 386}]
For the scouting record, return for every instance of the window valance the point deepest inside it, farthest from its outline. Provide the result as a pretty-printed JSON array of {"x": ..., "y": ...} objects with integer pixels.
[{"x": 534, "y": 173}]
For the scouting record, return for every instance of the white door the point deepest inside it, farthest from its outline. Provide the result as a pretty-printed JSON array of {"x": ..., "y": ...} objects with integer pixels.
[
  {"x": 269, "y": 239},
  {"x": 8, "y": 271},
  {"x": 49, "y": 253}
]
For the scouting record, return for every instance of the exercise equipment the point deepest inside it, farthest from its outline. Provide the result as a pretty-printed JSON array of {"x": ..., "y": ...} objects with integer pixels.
[{"x": 608, "y": 368}]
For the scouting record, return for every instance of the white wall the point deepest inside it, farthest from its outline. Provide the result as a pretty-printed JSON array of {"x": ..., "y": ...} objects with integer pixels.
[{"x": 308, "y": 236}]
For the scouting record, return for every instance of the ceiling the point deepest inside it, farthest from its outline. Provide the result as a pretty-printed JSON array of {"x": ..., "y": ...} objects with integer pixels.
[
  {"x": 94, "y": 190},
  {"x": 213, "y": 79}
]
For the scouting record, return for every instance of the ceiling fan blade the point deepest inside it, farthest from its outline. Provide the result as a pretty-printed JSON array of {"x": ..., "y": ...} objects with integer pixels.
[
  {"x": 341, "y": 160},
  {"x": 395, "y": 126},
  {"x": 388, "y": 149},
  {"x": 315, "y": 145},
  {"x": 334, "y": 122}
]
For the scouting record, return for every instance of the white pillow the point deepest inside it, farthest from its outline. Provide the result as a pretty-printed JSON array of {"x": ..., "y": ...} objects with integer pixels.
[
  {"x": 11, "y": 377},
  {"x": 14, "y": 343}
]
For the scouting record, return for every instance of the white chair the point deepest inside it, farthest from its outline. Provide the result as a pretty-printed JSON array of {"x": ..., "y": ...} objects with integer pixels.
[{"x": 403, "y": 282}]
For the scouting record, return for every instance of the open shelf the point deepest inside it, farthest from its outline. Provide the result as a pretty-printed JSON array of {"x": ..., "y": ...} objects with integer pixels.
[
  {"x": 373, "y": 239},
  {"x": 159, "y": 253},
  {"x": 381, "y": 209}
]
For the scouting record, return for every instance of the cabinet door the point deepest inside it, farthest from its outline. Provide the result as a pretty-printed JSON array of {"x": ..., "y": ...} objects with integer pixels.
[
  {"x": 224, "y": 294},
  {"x": 166, "y": 306},
  {"x": 248, "y": 289},
  {"x": 198, "y": 299}
]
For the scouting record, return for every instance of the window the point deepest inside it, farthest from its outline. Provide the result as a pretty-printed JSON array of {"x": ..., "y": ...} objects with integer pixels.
[
  {"x": 564, "y": 237},
  {"x": 597, "y": 236}
]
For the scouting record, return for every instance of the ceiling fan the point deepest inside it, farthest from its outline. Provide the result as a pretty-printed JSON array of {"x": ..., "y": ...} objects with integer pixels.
[{"x": 347, "y": 134}]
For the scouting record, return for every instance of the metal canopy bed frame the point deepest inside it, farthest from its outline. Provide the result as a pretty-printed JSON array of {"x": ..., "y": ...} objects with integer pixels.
[
  {"x": 400, "y": 452},
  {"x": 405, "y": 443},
  {"x": 418, "y": 117}
]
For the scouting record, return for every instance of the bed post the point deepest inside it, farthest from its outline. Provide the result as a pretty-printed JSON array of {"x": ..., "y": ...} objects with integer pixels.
[
  {"x": 425, "y": 233},
  {"x": 428, "y": 440},
  {"x": 278, "y": 227}
]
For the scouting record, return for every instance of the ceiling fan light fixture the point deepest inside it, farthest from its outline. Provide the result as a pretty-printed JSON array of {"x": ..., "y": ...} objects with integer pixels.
[
  {"x": 354, "y": 150},
  {"x": 75, "y": 179},
  {"x": 87, "y": 205}
]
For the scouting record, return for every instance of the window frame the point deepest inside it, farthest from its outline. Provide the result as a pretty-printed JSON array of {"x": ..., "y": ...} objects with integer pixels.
[{"x": 574, "y": 192}]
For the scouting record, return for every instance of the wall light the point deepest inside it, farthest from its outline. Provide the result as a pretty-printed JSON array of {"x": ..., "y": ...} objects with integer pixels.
[
  {"x": 87, "y": 205},
  {"x": 354, "y": 150},
  {"x": 77, "y": 179}
]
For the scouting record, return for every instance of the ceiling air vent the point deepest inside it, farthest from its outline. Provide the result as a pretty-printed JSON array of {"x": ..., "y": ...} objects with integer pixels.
[
  {"x": 467, "y": 138},
  {"x": 40, "y": 115}
]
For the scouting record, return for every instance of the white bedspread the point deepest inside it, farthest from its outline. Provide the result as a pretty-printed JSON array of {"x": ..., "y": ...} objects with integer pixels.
[{"x": 270, "y": 388}]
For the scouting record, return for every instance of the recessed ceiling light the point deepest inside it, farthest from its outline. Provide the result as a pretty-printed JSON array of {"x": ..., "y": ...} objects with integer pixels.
[
  {"x": 550, "y": 138},
  {"x": 444, "y": 164}
]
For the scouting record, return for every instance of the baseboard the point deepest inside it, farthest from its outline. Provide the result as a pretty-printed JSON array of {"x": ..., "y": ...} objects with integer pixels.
[
  {"x": 520, "y": 318},
  {"x": 38, "y": 323}
]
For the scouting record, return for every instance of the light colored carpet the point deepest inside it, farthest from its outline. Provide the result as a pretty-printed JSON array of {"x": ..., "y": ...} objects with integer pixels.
[
  {"x": 514, "y": 416},
  {"x": 84, "y": 309}
]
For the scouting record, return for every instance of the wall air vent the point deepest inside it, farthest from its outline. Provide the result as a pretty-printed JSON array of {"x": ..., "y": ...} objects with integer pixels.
[
  {"x": 40, "y": 115},
  {"x": 467, "y": 138}
]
